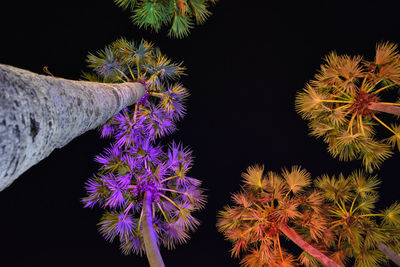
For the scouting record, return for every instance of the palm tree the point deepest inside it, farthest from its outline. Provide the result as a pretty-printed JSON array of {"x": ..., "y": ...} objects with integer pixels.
[
  {"x": 343, "y": 101},
  {"x": 271, "y": 205},
  {"x": 41, "y": 113},
  {"x": 179, "y": 14},
  {"x": 355, "y": 224},
  {"x": 148, "y": 197}
]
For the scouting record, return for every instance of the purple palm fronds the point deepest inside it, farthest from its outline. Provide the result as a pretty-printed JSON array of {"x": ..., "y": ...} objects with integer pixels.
[
  {"x": 108, "y": 225},
  {"x": 97, "y": 192},
  {"x": 132, "y": 243},
  {"x": 175, "y": 234},
  {"x": 115, "y": 198},
  {"x": 135, "y": 165},
  {"x": 125, "y": 225},
  {"x": 184, "y": 218},
  {"x": 111, "y": 157},
  {"x": 147, "y": 152},
  {"x": 160, "y": 171},
  {"x": 172, "y": 101},
  {"x": 177, "y": 155},
  {"x": 158, "y": 123},
  {"x": 193, "y": 195},
  {"x": 124, "y": 181},
  {"x": 107, "y": 130}
]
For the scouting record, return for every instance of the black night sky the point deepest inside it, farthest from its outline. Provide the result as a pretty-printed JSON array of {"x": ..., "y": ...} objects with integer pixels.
[{"x": 244, "y": 67}]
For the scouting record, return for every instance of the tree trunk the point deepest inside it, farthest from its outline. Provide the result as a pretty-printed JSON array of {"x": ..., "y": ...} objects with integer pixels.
[
  {"x": 324, "y": 260},
  {"x": 149, "y": 236},
  {"x": 390, "y": 254},
  {"x": 41, "y": 113},
  {"x": 395, "y": 110}
]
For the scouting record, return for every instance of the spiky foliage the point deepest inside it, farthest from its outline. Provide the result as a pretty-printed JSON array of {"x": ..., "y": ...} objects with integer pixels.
[
  {"x": 135, "y": 164},
  {"x": 179, "y": 15},
  {"x": 341, "y": 103},
  {"x": 356, "y": 224},
  {"x": 266, "y": 204}
]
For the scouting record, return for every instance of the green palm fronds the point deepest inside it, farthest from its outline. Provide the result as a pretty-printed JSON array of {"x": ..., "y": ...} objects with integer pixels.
[
  {"x": 179, "y": 15},
  {"x": 357, "y": 226},
  {"x": 342, "y": 103}
]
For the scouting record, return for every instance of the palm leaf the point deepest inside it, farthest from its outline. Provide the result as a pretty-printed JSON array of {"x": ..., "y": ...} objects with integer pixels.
[
  {"x": 125, "y": 4},
  {"x": 181, "y": 26},
  {"x": 392, "y": 215},
  {"x": 199, "y": 9},
  {"x": 364, "y": 184},
  {"x": 297, "y": 179},
  {"x": 254, "y": 177}
]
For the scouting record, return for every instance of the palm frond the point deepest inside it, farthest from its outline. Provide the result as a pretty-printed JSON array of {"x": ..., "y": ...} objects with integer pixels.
[
  {"x": 125, "y": 4},
  {"x": 367, "y": 203},
  {"x": 334, "y": 189},
  {"x": 386, "y": 53},
  {"x": 180, "y": 27},
  {"x": 149, "y": 14},
  {"x": 253, "y": 178},
  {"x": 308, "y": 101},
  {"x": 394, "y": 140},
  {"x": 369, "y": 258},
  {"x": 175, "y": 234},
  {"x": 364, "y": 184},
  {"x": 199, "y": 9},
  {"x": 392, "y": 215},
  {"x": 373, "y": 153},
  {"x": 297, "y": 179},
  {"x": 308, "y": 261}
]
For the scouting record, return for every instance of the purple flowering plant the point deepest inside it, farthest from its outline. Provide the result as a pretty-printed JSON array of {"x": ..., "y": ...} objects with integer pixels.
[{"x": 144, "y": 187}]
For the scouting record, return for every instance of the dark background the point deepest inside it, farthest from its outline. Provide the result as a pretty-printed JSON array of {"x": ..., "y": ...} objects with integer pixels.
[{"x": 244, "y": 66}]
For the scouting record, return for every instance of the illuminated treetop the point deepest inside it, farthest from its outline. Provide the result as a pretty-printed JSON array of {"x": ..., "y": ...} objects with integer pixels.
[
  {"x": 343, "y": 103},
  {"x": 144, "y": 188},
  {"x": 180, "y": 15}
]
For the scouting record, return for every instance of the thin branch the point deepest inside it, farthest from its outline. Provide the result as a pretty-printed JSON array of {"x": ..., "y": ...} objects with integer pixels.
[
  {"x": 130, "y": 71},
  {"x": 140, "y": 219},
  {"x": 162, "y": 211},
  {"x": 381, "y": 122},
  {"x": 170, "y": 200},
  {"x": 335, "y": 101},
  {"x": 351, "y": 123},
  {"x": 169, "y": 178},
  {"x": 383, "y": 88},
  {"x": 352, "y": 204},
  {"x": 361, "y": 124},
  {"x": 389, "y": 103},
  {"x": 279, "y": 245}
]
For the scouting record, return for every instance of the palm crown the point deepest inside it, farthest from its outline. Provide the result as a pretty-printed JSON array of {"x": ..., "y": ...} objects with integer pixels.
[
  {"x": 179, "y": 14},
  {"x": 135, "y": 165},
  {"x": 342, "y": 102},
  {"x": 354, "y": 221},
  {"x": 269, "y": 205},
  {"x": 334, "y": 217}
]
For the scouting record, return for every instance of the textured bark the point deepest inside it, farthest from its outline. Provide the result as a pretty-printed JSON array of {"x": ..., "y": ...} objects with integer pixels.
[
  {"x": 324, "y": 260},
  {"x": 385, "y": 108},
  {"x": 41, "y": 113},
  {"x": 149, "y": 236},
  {"x": 390, "y": 254}
]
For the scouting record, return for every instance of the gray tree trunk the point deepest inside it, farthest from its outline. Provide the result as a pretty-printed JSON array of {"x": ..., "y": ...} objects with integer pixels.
[
  {"x": 149, "y": 236},
  {"x": 390, "y": 254},
  {"x": 41, "y": 113}
]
